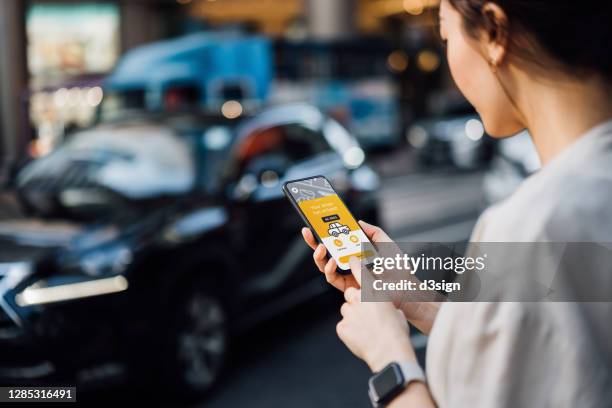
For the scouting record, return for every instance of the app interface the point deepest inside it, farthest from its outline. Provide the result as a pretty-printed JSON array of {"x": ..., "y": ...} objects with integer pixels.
[{"x": 331, "y": 220}]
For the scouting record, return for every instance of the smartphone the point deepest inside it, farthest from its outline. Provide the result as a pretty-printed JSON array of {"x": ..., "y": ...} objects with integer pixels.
[{"x": 331, "y": 222}]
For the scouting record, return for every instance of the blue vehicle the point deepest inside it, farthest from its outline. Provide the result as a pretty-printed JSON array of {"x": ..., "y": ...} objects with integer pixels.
[
  {"x": 347, "y": 79},
  {"x": 202, "y": 71}
]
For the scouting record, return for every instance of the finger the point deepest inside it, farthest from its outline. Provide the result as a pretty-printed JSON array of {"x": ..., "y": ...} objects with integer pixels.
[
  {"x": 356, "y": 268},
  {"x": 376, "y": 234},
  {"x": 341, "y": 329},
  {"x": 319, "y": 257},
  {"x": 344, "y": 309},
  {"x": 330, "y": 271},
  {"x": 309, "y": 238},
  {"x": 352, "y": 295}
]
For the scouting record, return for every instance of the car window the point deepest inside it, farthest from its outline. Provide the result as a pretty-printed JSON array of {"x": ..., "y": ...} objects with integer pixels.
[
  {"x": 278, "y": 147},
  {"x": 118, "y": 104}
]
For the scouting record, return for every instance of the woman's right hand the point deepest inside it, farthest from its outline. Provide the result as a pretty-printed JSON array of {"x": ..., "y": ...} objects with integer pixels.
[{"x": 328, "y": 266}]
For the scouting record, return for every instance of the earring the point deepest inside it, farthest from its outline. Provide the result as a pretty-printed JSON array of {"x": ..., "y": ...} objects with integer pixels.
[{"x": 493, "y": 64}]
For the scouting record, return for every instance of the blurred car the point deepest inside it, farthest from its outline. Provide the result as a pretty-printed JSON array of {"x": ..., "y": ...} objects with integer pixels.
[
  {"x": 515, "y": 160},
  {"x": 458, "y": 141},
  {"x": 153, "y": 239}
]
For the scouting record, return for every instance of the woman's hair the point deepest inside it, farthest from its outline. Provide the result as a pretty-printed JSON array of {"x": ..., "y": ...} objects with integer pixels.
[{"x": 577, "y": 35}]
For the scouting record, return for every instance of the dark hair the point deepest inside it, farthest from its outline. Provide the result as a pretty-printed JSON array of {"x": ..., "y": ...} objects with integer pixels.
[{"x": 577, "y": 35}]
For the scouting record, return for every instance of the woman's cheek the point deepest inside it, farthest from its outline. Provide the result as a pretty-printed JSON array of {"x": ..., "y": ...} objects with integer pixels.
[
  {"x": 482, "y": 89},
  {"x": 465, "y": 70}
]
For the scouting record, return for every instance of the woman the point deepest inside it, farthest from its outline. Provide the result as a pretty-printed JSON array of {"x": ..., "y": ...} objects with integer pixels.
[{"x": 544, "y": 65}]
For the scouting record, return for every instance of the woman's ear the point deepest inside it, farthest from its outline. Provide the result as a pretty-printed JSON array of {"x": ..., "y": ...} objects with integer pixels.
[{"x": 495, "y": 36}]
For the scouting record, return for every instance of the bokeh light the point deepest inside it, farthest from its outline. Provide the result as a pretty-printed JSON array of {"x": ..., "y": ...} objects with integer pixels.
[
  {"x": 428, "y": 61},
  {"x": 414, "y": 7},
  {"x": 397, "y": 61},
  {"x": 231, "y": 109}
]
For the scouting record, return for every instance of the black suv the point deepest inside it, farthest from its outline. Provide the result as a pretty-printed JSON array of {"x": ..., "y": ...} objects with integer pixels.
[{"x": 150, "y": 241}]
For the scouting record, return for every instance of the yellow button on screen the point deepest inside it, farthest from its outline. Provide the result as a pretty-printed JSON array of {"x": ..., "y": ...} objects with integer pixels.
[{"x": 358, "y": 255}]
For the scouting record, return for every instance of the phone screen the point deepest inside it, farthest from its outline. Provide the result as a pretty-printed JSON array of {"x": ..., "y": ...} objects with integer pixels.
[{"x": 330, "y": 219}]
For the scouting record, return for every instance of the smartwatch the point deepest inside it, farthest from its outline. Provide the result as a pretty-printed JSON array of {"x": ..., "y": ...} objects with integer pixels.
[{"x": 389, "y": 382}]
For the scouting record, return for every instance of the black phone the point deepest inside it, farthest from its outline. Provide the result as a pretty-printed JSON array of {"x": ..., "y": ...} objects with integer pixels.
[{"x": 331, "y": 222}]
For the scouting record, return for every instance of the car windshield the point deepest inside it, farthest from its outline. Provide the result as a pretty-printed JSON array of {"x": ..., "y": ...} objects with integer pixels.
[
  {"x": 95, "y": 169},
  {"x": 116, "y": 105}
]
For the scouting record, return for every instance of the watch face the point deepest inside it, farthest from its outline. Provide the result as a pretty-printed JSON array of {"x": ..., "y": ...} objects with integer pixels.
[{"x": 387, "y": 382}]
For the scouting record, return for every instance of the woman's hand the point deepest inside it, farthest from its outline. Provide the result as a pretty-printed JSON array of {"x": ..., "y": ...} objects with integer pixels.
[
  {"x": 420, "y": 314},
  {"x": 376, "y": 332},
  {"x": 328, "y": 267}
]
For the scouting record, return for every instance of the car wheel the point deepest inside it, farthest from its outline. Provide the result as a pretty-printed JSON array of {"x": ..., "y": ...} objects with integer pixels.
[{"x": 199, "y": 342}]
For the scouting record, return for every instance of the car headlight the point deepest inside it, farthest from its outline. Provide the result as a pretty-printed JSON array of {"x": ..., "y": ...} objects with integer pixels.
[
  {"x": 99, "y": 275},
  {"x": 42, "y": 293}
]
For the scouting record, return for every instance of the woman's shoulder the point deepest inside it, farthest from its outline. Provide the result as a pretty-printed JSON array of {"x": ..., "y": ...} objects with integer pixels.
[
  {"x": 568, "y": 206},
  {"x": 567, "y": 200}
]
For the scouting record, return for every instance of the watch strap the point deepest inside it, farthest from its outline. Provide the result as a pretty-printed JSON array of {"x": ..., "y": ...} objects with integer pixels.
[{"x": 411, "y": 371}]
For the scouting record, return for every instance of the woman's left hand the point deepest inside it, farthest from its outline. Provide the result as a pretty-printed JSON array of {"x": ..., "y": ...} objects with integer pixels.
[{"x": 376, "y": 332}]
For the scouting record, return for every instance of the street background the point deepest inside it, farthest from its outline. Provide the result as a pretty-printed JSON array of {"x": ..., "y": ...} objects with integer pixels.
[{"x": 418, "y": 160}]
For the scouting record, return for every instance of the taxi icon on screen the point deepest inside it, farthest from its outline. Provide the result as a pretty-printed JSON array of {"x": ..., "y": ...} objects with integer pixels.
[{"x": 335, "y": 229}]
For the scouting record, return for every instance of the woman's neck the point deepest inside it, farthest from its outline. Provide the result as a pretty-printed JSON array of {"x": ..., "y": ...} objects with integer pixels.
[{"x": 559, "y": 113}]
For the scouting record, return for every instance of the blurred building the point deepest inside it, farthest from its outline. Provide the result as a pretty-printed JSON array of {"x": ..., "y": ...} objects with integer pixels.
[
  {"x": 13, "y": 80},
  {"x": 56, "y": 53}
]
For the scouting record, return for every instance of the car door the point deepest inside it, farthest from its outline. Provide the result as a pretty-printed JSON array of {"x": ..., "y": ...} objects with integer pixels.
[{"x": 269, "y": 227}]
